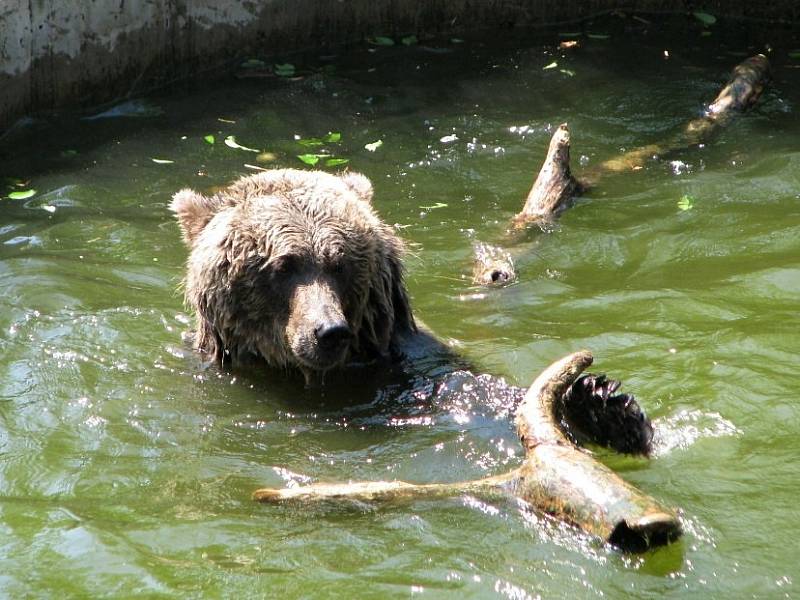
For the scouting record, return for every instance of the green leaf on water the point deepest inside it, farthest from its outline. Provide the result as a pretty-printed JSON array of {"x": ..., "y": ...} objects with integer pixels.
[
  {"x": 284, "y": 69},
  {"x": 333, "y": 137},
  {"x": 434, "y": 206},
  {"x": 231, "y": 142},
  {"x": 69, "y": 153},
  {"x": 253, "y": 63},
  {"x": 310, "y": 159},
  {"x": 381, "y": 40},
  {"x": 552, "y": 65},
  {"x": 310, "y": 142},
  {"x": 686, "y": 202},
  {"x": 705, "y": 18},
  {"x": 374, "y": 145},
  {"x": 598, "y": 36},
  {"x": 456, "y": 40},
  {"x": 794, "y": 54},
  {"x": 409, "y": 40},
  {"x": 22, "y": 195},
  {"x": 335, "y": 162},
  {"x": 162, "y": 161},
  {"x": 705, "y": 33},
  {"x": 210, "y": 139}
]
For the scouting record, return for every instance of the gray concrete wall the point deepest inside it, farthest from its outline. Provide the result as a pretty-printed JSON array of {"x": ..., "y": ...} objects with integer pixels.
[{"x": 69, "y": 53}]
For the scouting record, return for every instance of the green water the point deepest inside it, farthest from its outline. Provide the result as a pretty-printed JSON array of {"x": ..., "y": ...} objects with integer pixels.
[{"x": 126, "y": 467}]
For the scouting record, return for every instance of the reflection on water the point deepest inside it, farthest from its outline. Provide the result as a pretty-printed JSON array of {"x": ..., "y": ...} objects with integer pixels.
[{"x": 127, "y": 464}]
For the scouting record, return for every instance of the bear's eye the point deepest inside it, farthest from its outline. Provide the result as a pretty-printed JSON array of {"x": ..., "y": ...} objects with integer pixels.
[
  {"x": 335, "y": 262},
  {"x": 284, "y": 265}
]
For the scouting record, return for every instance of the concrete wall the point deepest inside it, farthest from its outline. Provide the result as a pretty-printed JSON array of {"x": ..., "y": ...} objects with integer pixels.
[{"x": 69, "y": 53}]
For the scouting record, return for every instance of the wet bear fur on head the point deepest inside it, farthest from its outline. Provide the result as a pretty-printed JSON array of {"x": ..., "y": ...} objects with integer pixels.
[{"x": 295, "y": 268}]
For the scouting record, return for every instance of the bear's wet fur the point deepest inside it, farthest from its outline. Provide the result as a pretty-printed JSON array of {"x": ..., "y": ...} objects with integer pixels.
[{"x": 295, "y": 268}]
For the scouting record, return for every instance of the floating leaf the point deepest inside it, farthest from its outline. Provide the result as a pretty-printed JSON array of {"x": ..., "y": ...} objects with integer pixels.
[
  {"x": 705, "y": 18},
  {"x": 22, "y": 195},
  {"x": 266, "y": 157},
  {"x": 335, "y": 162},
  {"x": 598, "y": 36},
  {"x": 570, "y": 34},
  {"x": 310, "y": 159},
  {"x": 162, "y": 161},
  {"x": 284, "y": 70},
  {"x": 686, "y": 202},
  {"x": 230, "y": 142},
  {"x": 568, "y": 72},
  {"x": 456, "y": 40},
  {"x": 333, "y": 137},
  {"x": 434, "y": 206},
  {"x": 552, "y": 65},
  {"x": 253, "y": 63},
  {"x": 409, "y": 40},
  {"x": 69, "y": 153},
  {"x": 795, "y": 54},
  {"x": 374, "y": 145},
  {"x": 310, "y": 142},
  {"x": 210, "y": 139},
  {"x": 381, "y": 40},
  {"x": 705, "y": 33}
]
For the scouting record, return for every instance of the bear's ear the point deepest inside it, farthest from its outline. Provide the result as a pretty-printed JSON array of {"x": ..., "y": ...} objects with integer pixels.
[
  {"x": 194, "y": 211},
  {"x": 359, "y": 184}
]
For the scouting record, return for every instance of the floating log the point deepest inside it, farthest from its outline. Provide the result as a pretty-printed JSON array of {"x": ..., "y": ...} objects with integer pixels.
[
  {"x": 493, "y": 266},
  {"x": 554, "y": 186},
  {"x": 556, "y": 476},
  {"x": 742, "y": 91}
]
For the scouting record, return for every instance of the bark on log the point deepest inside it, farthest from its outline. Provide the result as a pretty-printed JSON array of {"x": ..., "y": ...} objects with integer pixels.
[
  {"x": 742, "y": 91},
  {"x": 554, "y": 186},
  {"x": 556, "y": 476}
]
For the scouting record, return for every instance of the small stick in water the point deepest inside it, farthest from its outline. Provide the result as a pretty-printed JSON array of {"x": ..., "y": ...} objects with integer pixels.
[
  {"x": 553, "y": 187},
  {"x": 742, "y": 91}
]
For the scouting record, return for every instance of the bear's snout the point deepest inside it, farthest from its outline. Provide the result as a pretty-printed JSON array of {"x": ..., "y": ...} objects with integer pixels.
[
  {"x": 319, "y": 333},
  {"x": 331, "y": 335}
]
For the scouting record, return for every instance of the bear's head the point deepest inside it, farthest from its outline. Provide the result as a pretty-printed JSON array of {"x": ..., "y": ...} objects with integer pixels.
[{"x": 293, "y": 267}]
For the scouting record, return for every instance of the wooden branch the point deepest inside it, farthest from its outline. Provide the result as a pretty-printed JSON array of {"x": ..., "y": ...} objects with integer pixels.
[
  {"x": 553, "y": 187},
  {"x": 567, "y": 482},
  {"x": 556, "y": 476},
  {"x": 742, "y": 91},
  {"x": 493, "y": 266},
  {"x": 384, "y": 490}
]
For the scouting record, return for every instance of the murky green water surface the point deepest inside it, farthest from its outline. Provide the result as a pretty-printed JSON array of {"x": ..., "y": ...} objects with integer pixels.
[{"x": 126, "y": 467}]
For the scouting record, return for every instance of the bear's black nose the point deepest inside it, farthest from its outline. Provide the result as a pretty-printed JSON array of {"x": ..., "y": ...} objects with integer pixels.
[{"x": 332, "y": 334}]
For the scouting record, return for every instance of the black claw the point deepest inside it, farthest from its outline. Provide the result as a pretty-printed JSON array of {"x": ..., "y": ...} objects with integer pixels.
[{"x": 591, "y": 409}]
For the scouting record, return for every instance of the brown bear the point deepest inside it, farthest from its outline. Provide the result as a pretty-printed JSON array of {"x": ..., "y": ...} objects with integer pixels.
[{"x": 293, "y": 267}]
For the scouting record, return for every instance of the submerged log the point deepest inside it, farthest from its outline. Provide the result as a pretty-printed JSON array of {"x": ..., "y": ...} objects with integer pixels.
[
  {"x": 493, "y": 266},
  {"x": 742, "y": 91},
  {"x": 555, "y": 476},
  {"x": 554, "y": 186}
]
